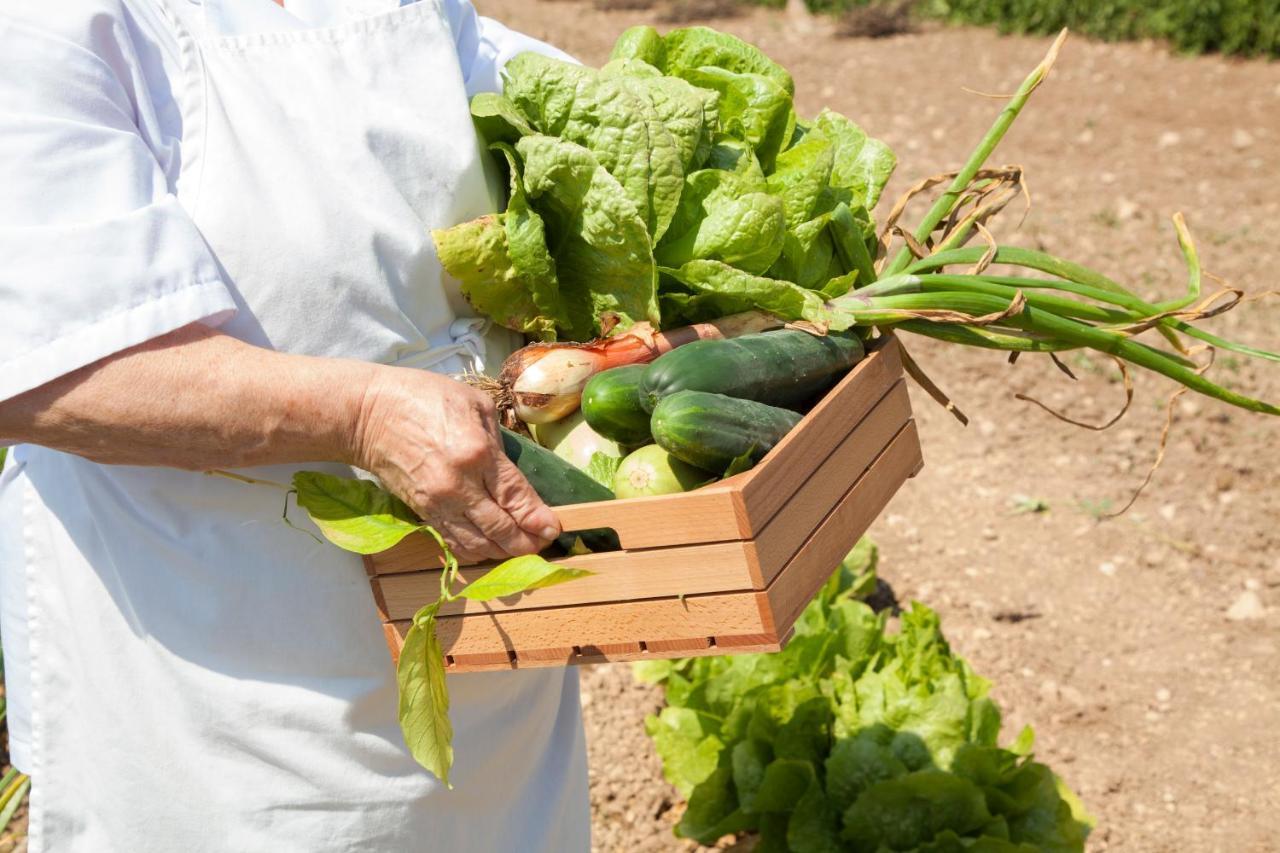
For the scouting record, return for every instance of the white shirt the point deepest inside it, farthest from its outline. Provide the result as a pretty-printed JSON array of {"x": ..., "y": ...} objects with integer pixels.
[{"x": 185, "y": 673}]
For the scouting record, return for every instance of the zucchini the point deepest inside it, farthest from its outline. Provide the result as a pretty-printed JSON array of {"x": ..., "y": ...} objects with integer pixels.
[
  {"x": 611, "y": 404},
  {"x": 559, "y": 484},
  {"x": 782, "y": 368},
  {"x": 711, "y": 431}
]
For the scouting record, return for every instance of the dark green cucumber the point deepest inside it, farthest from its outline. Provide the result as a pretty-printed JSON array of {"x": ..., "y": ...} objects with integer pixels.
[
  {"x": 559, "y": 484},
  {"x": 611, "y": 405},
  {"x": 711, "y": 430},
  {"x": 782, "y": 368}
]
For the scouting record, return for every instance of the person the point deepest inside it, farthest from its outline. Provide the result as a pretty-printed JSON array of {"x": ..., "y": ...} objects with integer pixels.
[{"x": 214, "y": 233}]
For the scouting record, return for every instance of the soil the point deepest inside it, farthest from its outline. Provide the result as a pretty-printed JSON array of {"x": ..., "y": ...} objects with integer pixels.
[{"x": 1144, "y": 649}]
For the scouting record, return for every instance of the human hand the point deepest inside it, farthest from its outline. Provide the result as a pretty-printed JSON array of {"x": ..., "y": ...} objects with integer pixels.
[{"x": 434, "y": 442}]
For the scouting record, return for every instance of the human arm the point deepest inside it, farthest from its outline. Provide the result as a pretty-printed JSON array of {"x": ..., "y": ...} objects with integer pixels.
[{"x": 198, "y": 399}]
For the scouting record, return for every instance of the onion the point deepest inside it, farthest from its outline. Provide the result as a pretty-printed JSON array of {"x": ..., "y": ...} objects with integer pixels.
[{"x": 545, "y": 381}]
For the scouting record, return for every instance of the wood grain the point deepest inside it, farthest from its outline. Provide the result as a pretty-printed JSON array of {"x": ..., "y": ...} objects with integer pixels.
[
  {"x": 813, "y": 564},
  {"x": 844, "y": 469},
  {"x": 729, "y": 618},
  {"x": 619, "y": 576},
  {"x": 802, "y": 452}
]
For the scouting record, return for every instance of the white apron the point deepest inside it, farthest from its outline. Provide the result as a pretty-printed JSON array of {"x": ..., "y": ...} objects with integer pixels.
[{"x": 200, "y": 677}]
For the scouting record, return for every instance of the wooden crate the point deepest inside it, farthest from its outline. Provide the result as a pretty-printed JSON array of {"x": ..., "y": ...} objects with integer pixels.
[{"x": 726, "y": 568}]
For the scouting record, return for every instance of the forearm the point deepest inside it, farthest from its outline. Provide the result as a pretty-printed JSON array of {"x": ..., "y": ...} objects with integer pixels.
[{"x": 196, "y": 399}]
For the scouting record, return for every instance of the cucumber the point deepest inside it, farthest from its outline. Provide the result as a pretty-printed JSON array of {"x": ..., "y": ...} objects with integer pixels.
[
  {"x": 573, "y": 440},
  {"x": 653, "y": 471},
  {"x": 612, "y": 406},
  {"x": 559, "y": 484},
  {"x": 710, "y": 431},
  {"x": 783, "y": 368}
]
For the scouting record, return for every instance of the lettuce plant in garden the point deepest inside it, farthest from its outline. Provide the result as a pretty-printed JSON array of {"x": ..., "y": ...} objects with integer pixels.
[{"x": 854, "y": 738}]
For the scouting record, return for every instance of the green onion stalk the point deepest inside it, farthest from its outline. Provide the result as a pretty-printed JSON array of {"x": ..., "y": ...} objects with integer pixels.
[{"x": 1053, "y": 306}]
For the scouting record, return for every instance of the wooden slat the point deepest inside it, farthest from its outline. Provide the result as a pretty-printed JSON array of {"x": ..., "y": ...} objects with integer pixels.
[
  {"x": 796, "y": 585},
  {"x": 729, "y": 618},
  {"x": 569, "y": 658},
  {"x": 793, "y": 525},
  {"x": 620, "y": 576},
  {"x": 768, "y": 486}
]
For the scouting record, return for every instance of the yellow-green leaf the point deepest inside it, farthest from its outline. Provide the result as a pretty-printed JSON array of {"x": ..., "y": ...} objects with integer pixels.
[
  {"x": 424, "y": 696},
  {"x": 517, "y": 575}
]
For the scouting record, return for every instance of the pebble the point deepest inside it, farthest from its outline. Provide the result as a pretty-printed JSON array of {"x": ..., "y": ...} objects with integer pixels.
[
  {"x": 1163, "y": 695},
  {"x": 981, "y": 634},
  {"x": 1241, "y": 139},
  {"x": 1108, "y": 569},
  {"x": 1247, "y": 607},
  {"x": 1168, "y": 139},
  {"x": 1151, "y": 558},
  {"x": 989, "y": 533},
  {"x": 1168, "y": 511},
  {"x": 1126, "y": 209},
  {"x": 1253, "y": 584}
]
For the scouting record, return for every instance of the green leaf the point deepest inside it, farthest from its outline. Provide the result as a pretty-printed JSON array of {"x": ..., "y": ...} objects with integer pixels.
[
  {"x": 745, "y": 462},
  {"x": 642, "y": 43},
  {"x": 424, "y": 696},
  {"x": 814, "y": 826},
  {"x": 752, "y": 107},
  {"x": 713, "y": 810},
  {"x": 687, "y": 742},
  {"x": 497, "y": 119},
  {"x": 903, "y": 813},
  {"x": 691, "y": 48},
  {"x": 603, "y": 467},
  {"x": 503, "y": 265},
  {"x": 785, "y": 781},
  {"x": 356, "y": 515},
  {"x": 744, "y": 230},
  {"x": 858, "y": 762},
  {"x": 688, "y": 112},
  {"x": 734, "y": 290},
  {"x": 748, "y": 760},
  {"x": 517, "y": 575},
  {"x": 862, "y": 165},
  {"x": 800, "y": 176},
  {"x": 613, "y": 117},
  {"x": 603, "y": 257}
]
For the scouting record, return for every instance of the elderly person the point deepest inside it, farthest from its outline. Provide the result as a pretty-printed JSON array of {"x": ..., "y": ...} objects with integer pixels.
[{"x": 214, "y": 253}]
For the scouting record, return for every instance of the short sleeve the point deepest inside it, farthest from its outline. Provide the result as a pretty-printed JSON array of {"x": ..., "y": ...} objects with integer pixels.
[
  {"x": 97, "y": 253},
  {"x": 484, "y": 46}
]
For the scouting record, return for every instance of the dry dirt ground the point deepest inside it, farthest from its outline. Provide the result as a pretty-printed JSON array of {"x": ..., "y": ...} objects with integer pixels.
[{"x": 1114, "y": 638}]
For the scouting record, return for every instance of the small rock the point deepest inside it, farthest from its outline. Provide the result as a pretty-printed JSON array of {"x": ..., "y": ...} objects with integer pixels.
[
  {"x": 981, "y": 634},
  {"x": 1151, "y": 558},
  {"x": 1247, "y": 607},
  {"x": 1152, "y": 716},
  {"x": 1108, "y": 569},
  {"x": 1163, "y": 695},
  {"x": 1253, "y": 584},
  {"x": 1168, "y": 139},
  {"x": 989, "y": 533},
  {"x": 1107, "y": 177},
  {"x": 1085, "y": 137},
  {"x": 1126, "y": 209},
  {"x": 1168, "y": 511},
  {"x": 1241, "y": 139}
]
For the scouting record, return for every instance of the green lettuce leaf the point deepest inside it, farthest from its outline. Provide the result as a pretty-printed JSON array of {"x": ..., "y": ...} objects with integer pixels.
[
  {"x": 608, "y": 115},
  {"x": 503, "y": 266},
  {"x": 497, "y": 119},
  {"x": 641, "y": 43},
  {"x": 903, "y": 813},
  {"x": 862, "y": 165},
  {"x": 688, "y": 744},
  {"x": 800, "y": 175},
  {"x": 713, "y": 810},
  {"x": 603, "y": 256},
  {"x": 720, "y": 219},
  {"x": 732, "y": 290},
  {"x": 686, "y": 111},
  {"x": 699, "y": 47},
  {"x": 752, "y": 107}
]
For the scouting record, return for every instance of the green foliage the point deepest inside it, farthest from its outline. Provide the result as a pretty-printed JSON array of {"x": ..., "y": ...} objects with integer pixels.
[
  {"x": 361, "y": 517},
  {"x": 1245, "y": 27},
  {"x": 853, "y": 738},
  {"x": 675, "y": 184}
]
